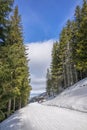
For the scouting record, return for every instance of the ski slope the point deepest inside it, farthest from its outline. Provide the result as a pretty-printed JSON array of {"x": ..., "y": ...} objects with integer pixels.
[
  {"x": 46, "y": 116},
  {"x": 40, "y": 117},
  {"x": 74, "y": 97}
]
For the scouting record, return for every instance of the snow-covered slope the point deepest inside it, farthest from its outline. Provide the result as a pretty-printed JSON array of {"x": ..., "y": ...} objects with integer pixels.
[
  {"x": 41, "y": 117},
  {"x": 36, "y": 116},
  {"x": 74, "y": 97}
]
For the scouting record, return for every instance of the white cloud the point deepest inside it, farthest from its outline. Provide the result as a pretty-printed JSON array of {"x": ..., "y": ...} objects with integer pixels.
[{"x": 39, "y": 54}]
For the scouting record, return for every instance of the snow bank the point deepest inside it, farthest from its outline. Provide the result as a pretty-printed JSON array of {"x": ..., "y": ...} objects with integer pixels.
[{"x": 74, "y": 97}]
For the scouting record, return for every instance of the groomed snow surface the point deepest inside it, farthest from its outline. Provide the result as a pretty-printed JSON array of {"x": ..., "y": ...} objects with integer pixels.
[
  {"x": 74, "y": 97},
  {"x": 48, "y": 117}
]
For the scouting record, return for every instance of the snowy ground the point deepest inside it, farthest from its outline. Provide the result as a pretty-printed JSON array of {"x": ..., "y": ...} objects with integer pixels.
[
  {"x": 48, "y": 117},
  {"x": 39, "y": 117},
  {"x": 74, "y": 97}
]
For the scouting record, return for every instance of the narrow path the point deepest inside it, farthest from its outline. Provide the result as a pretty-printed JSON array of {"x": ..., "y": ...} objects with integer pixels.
[{"x": 39, "y": 117}]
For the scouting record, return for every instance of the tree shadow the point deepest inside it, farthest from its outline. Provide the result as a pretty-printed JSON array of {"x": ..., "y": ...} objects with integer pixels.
[{"x": 14, "y": 122}]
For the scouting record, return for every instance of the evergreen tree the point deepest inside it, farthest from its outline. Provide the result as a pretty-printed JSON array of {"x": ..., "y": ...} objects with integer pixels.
[
  {"x": 82, "y": 41},
  {"x": 76, "y": 27},
  {"x": 19, "y": 68},
  {"x": 56, "y": 68},
  {"x": 67, "y": 55},
  {"x": 14, "y": 71},
  {"x": 5, "y": 9},
  {"x": 48, "y": 83},
  {"x": 63, "y": 49}
]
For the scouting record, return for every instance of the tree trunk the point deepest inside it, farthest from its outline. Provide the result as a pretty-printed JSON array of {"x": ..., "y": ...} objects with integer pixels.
[
  {"x": 71, "y": 74},
  {"x": 80, "y": 74},
  {"x": 64, "y": 75},
  {"x": 14, "y": 104},
  {"x": 75, "y": 74},
  {"x": 19, "y": 102},
  {"x": 68, "y": 64},
  {"x": 9, "y": 107},
  {"x": 68, "y": 75}
]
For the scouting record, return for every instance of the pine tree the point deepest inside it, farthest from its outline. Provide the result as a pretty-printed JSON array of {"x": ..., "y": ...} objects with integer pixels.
[
  {"x": 19, "y": 68},
  {"x": 82, "y": 41},
  {"x": 14, "y": 71},
  {"x": 67, "y": 51},
  {"x": 63, "y": 48},
  {"x": 56, "y": 68},
  {"x": 5, "y": 9},
  {"x": 76, "y": 27},
  {"x": 69, "y": 56},
  {"x": 48, "y": 83}
]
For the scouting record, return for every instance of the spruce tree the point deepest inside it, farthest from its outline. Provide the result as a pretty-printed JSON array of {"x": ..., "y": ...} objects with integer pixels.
[
  {"x": 20, "y": 68},
  {"x": 48, "y": 83},
  {"x": 56, "y": 68},
  {"x": 5, "y": 9},
  {"x": 82, "y": 41},
  {"x": 14, "y": 71}
]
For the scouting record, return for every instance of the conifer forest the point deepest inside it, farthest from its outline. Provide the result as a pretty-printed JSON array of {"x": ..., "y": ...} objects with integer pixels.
[
  {"x": 68, "y": 58},
  {"x": 69, "y": 54},
  {"x": 14, "y": 71}
]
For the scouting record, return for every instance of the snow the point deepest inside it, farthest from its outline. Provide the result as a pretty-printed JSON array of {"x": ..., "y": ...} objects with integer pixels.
[
  {"x": 46, "y": 116},
  {"x": 40, "y": 117},
  {"x": 74, "y": 97}
]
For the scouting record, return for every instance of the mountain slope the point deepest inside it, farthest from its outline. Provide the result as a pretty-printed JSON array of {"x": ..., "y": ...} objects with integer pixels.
[
  {"x": 74, "y": 97},
  {"x": 36, "y": 116},
  {"x": 40, "y": 117}
]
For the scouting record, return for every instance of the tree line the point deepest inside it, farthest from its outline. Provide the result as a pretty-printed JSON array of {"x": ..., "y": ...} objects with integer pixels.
[
  {"x": 69, "y": 54},
  {"x": 14, "y": 71}
]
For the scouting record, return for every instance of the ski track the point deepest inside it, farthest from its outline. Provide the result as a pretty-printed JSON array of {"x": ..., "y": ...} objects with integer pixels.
[{"x": 40, "y": 117}]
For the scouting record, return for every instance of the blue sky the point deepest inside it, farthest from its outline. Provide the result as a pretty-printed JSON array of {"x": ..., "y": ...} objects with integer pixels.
[{"x": 44, "y": 19}]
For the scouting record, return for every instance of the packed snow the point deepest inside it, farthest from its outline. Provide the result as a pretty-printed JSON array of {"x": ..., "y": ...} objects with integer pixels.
[
  {"x": 46, "y": 116},
  {"x": 74, "y": 97},
  {"x": 39, "y": 117}
]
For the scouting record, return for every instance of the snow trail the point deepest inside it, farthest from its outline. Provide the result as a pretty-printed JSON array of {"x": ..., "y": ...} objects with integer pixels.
[
  {"x": 39, "y": 117},
  {"x": 48, "y": 117}
]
